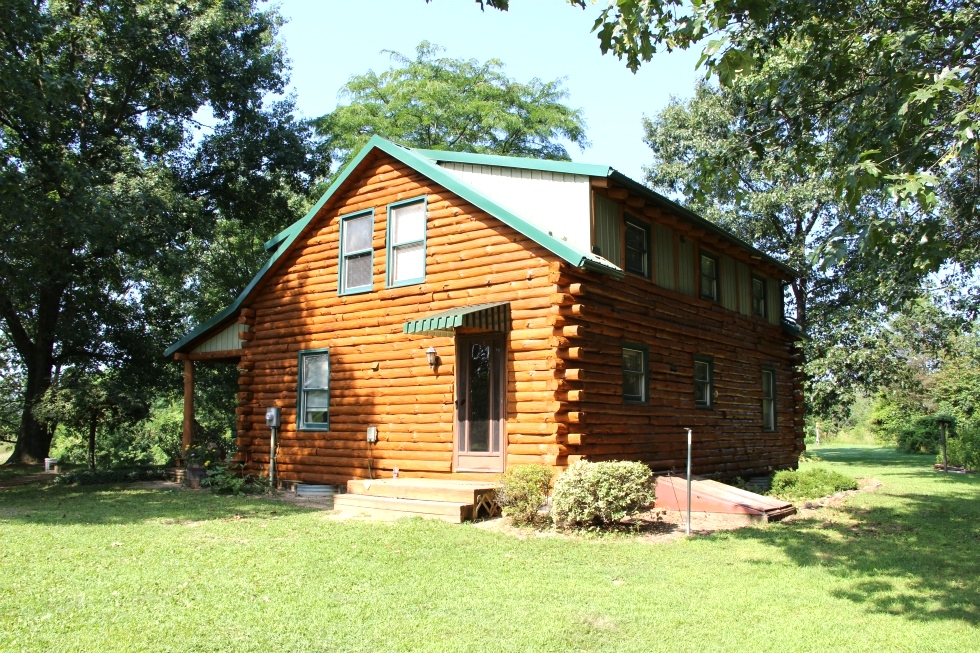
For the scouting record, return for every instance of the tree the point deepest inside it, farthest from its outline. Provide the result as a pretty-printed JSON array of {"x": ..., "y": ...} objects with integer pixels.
[
  {"x": 442, "y": 103},
  {"x": 786, "y": 204},
  {"x": 96, "y": 101},
  {"x": 892, "y": 85}
]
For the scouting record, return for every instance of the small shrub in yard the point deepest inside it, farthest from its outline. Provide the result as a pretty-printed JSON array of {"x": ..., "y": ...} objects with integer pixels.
[
  {"x": 223, "y": 479},
  {"x": 108, "y": 476},
  {"x": 522, "y": 490},
  {"x": 602, "y": 493},
  {"x": 810, "y": 483},
  {"x": 963, "y": 449}
]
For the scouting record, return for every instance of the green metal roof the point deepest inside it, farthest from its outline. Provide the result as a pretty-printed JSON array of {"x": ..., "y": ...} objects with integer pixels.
[
  {"x": 491, "y": 317},
  {"x": 565, "y": 167},
  {"x": 426, "y": 162}
]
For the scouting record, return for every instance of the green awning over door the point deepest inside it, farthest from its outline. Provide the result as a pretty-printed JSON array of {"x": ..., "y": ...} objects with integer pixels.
[{"x": 488, "y": 317}]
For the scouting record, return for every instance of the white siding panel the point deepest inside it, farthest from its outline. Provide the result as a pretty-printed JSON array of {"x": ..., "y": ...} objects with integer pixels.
[
  {"x": 555, "y": 202},
  {"x": 223, "y": 340}
]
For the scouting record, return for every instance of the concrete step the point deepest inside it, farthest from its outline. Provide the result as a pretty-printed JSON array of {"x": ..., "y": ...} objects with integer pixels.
[
  {"x": 394, "y": 508},
  {"x": 422, "y": 489}
]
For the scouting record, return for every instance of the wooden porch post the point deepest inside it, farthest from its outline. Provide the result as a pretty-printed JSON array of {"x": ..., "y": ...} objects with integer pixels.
[{"x": 188, "y": 437}]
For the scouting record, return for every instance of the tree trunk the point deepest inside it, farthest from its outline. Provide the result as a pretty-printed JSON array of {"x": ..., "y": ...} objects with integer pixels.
[
  {"x": 91, "y": 439},
  {"x": 37, "y": 355}
]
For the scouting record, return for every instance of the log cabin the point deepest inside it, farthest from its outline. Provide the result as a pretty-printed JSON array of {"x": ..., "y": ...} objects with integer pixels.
[{"x": 447, "y": 315}]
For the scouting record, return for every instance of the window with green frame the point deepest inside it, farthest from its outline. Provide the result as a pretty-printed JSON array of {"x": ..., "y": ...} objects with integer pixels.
[
  {"x": 709, "y": 277},
  {"x": 704, "y": 381},
  {"x": 758, "y": 296},
  {"x": 313, "y": 400},
  {"x": 406, "y": 242},
  {"x": 635, "y": 374},
  {"x": 356, "y": 253},
  {"x": 768, "y": 400},
  {"x": 637, "y": 247}
]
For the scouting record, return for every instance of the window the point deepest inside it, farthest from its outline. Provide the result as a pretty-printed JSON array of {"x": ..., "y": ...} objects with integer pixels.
[
  {"x": 768, "y": 400},
  {"x": 313, "y": 403},
  {"x": 709, "y": 277},
  {"x": 356, "y": 253},
  {"x": 637, "y": 247},
  {"x": 759, "y": 297},
  {"x": 406, "y": 243},
  {"x": 634, "y": 374},
  {"x": 703, "y": 382}
]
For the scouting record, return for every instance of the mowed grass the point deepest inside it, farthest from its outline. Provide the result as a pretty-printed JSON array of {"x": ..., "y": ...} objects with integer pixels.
[{"x": 143, "y": 570}]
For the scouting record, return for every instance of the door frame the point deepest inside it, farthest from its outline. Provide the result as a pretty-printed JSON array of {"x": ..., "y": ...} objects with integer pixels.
[{"x": 491, "y": 463}]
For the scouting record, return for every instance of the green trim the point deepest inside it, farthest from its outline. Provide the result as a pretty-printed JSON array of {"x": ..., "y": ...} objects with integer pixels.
[
  {"x": 389, "y": 246},
  {"x": 645, "y": 351},
  {"x": 711, "y": 382},
  {"x": 544, "y": 165},
  {"x": 342, "y": 289},
  {"x": 702, "y": 254},
  {"x": 632, "y": 221},
  {"x": 772, "y": 390},
  {"x": 301, "y": 424},
  {"x": 489, "y": 317}
]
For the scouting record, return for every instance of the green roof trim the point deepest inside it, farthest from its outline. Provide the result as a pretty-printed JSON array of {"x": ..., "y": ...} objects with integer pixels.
[
  {"x": 282, "y": 241},
  {"x": 491, "y": 317},
  {"x": 544, "y": 165}
]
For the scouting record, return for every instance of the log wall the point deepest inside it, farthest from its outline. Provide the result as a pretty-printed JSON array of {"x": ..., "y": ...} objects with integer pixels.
[
  {"x": 379, "y": 376},
  {"x": 564, "y": 352}
]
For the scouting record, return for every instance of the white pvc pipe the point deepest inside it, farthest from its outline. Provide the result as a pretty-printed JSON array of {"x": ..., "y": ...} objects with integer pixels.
[
  {"x": 688, "y": 481},
  {"x": 272, "y": 459}
]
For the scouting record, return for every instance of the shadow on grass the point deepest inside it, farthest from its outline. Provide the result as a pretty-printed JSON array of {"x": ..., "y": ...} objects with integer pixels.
[
  {"x": 917, "y": 559},
  {"x": 107, "y": 505}
]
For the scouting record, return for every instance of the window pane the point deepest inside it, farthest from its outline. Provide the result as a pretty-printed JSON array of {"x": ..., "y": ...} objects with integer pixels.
[
  {"x": 315, "y": 371},
  {"x": 316, "y": 417},
  {"x": 408, "y": 223},
  {"x": 759, "y": 297},
  {"x": 708, "y": 267},
  {"x": 636, "y": 238},
  {"x": 479, "y": 397},
  {"x": 633, "y": 386},
  {"x": 700, "y": 371},
  {"x": 357, "y": 271},
  {"x": 408, "y": 262},
  {"x": 317, "y": 399},
  {"x": 633, "y": 360},
  {"x": 701, "y": 393},
  {"x": 358, "y": 233},
  {"x": 767, "y": 389}
]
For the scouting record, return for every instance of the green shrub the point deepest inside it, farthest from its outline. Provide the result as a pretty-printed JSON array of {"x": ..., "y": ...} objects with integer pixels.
[
  {"x": 963, "y": 449},
  {"x": 224, "y": 479},
  {"x": 602, "y": 493},
  {"x": 810, "y": 484},
  {"x": 109, "y": 476},
  {"x": 522, "y": 490}
]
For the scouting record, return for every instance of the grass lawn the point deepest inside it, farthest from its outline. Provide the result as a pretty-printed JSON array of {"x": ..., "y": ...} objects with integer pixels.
[{"x": 133, "y": 570}]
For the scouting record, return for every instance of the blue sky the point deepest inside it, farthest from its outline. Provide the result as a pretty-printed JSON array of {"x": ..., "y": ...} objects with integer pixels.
[{"x": 328, "y": 41}]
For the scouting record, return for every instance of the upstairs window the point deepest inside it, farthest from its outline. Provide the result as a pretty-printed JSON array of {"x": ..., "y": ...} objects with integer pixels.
[
  {"x": 637, "y": 247},
  {"x": 356, "y": 253},
  {"x": 406, "y": 243},
  {"x": 635, "y": 375},
  {"x": 768, "y": 400},
  {"x": 709, "y": 277},
  {"x": 759, "y": 297},
  {"x": 313, "y": 403},
  {"x": 703, "y": 382}
]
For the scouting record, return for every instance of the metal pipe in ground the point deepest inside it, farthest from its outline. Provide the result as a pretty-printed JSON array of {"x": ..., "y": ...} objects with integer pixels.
[
  {"x": 272, "y": 458},
  {"x": 688, "y": 481}
]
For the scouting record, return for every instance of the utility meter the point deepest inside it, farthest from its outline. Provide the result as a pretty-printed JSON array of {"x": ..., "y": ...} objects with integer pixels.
[
  {"x": 273, "y": 416},
  {"x": 372, "y": 434}
]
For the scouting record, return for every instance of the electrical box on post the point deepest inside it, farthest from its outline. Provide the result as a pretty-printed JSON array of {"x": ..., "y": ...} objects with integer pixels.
[{"x": 273, "y": 417}]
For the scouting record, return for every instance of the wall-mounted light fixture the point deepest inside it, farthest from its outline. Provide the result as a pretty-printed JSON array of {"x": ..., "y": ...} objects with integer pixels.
[{"x": 430, "y": 355}]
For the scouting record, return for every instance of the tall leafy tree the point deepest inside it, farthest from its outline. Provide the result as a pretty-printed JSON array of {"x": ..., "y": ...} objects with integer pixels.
[
  {"x": 439, "y": 102},
  {"x": 892, "y": 85},
  {"x": 786, "y": 204},
  {"x": 96, "y": 98}
]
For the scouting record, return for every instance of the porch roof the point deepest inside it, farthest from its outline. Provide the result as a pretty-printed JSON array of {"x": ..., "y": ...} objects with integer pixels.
[{"x": 490, "y": 317}]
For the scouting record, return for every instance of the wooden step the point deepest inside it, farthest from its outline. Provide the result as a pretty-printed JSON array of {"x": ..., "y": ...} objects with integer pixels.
[
  {"x": 422, "y": 489},
  {"x": 394, "y": 508}
]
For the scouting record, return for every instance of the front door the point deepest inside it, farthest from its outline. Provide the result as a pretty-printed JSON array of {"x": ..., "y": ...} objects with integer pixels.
[{"x": 481, "y": 439}]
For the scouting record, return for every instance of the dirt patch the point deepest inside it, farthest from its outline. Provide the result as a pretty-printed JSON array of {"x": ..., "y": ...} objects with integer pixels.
[
  {"x": 156, "y": 485},
  {"x": 27, "y": 479}
]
